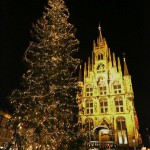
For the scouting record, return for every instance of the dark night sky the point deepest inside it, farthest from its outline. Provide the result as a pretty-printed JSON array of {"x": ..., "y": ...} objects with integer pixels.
[{"x": 125, "y": 25}]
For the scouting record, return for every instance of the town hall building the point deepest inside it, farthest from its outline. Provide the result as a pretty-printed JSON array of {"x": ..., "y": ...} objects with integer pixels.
[{"x": 106, "y": 100}]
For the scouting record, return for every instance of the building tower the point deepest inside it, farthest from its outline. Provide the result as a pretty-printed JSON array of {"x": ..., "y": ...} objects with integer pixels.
[{"x": 106, "y": 99}]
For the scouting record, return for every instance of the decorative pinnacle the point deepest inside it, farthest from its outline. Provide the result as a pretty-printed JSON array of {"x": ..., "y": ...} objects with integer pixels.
[
  {"x": 99, "y": 27},
  {"x": 100, "y": 34},
  {"x": 124, "y": 58},
  {"x": 80, "y": 74},
  {"x": 126, "y": 72}
]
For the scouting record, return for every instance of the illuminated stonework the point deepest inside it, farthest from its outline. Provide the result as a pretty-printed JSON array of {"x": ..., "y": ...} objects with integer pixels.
[{"x": 106, "y": 99}]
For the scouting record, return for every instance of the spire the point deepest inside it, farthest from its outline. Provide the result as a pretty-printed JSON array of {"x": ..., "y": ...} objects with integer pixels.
[
  {"x": 119, "y": 65},
  {"x": 114, "y": 60},
  {"x": 80, "y": 74},
  {"x": 109, "y": 58},
  {"x": 85, "y": 71},
  {"x": 126, "y": 72},
  {"x": 92, "y": 60},
  {"x": 89, "y": 65},
  {"x": 100, "y": 34},
  {"x": 94, "y": 44}
]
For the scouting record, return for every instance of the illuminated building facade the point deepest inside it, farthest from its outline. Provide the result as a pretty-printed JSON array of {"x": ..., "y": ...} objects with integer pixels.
[{"x": 106, "y": 99}]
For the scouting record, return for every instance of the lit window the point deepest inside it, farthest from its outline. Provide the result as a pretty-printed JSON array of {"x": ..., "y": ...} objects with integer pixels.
[
  {"x": 89, "y": 91},
  {"x": 122, "y": 133},
  {"x": 117, "y": 88},
  {"x": 89, "y": 124},
  {"x": 89, "y": 107},
  {"x": 103, "y": 106},
  {"x": 101, "y": 68},
  {"x": 100, "y": 56},
  {"x": 119, "y": 104},
  {"x": 103, "y": 90}
]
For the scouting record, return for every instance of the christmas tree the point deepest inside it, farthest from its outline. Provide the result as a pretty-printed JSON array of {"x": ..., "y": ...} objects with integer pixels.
[{"x": 44, "y": 116}]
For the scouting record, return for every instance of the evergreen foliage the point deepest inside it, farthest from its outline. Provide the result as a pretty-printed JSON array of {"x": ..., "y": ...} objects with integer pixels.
[{"x": 45, "y": 107}]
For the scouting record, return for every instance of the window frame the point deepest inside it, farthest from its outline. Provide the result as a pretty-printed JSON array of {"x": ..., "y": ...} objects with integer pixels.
[
  {"x": 103, "y": 89},
  {"x": 89, "y": 106},
  {"x": 100, "y": 56},
  {"x": 100, "y": 68},
  {"x": 117, "y": 88},
  {"x": 89, "y": 90},
  {"x": 119, "y": 104},
  {"x": 103, "y": 106},
  {"x": 121, "y": 130},
  {"x": 89, "y": 124}
]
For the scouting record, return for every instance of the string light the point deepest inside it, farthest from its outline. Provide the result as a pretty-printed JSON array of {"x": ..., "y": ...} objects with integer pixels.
[{"x": 45, "y": 107}]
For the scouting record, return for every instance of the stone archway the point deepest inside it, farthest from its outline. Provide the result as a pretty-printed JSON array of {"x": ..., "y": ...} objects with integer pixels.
[{"x": 101, "y": 132}]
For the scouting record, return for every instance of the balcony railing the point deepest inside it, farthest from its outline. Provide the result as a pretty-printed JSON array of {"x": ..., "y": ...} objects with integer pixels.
[{"x": 103, "y": 145}]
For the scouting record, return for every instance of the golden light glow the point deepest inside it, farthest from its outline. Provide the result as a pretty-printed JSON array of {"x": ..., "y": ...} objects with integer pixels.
[
  {"x": 44, "y": 106},
  {"x": 106, "y": 98}
]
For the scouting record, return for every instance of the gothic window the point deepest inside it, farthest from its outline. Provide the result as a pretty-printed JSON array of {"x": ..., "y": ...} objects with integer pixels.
[
  {"x": 100, "y": 68},
  {"x": 89, "y": 91},
  {"x": 100, "y": 56},
  {"x": 103, "y": 90},
  {"x": 117, "y": 88},
  {"x": 121, "y": 129},
  {"x": 103, "y": 106},
  {"x": 89, "y": 106},
  {"x": 119, "y": 104},
  {"x": 88, "y": 124}
]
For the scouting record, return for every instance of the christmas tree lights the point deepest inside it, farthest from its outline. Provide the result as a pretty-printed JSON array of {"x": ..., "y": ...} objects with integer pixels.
[{"x": 44, "y": 116}]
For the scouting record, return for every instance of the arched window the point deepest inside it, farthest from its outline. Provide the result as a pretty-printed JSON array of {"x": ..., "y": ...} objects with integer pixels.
[
  {"x": 100, "y": 68},
  {"x": 89, "y": 106},
  {"x": 121, "y": 129},
  {"x": 119, "y": 104},
  {"x": 117, "y": 87},
  {"x": 100, "y": 56},
  {"x": 103, "y": 105},
  {"x": 89, "y": 90},
  {"x": 89, "y": 124},
  {"x": 121, "y": 123}
]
